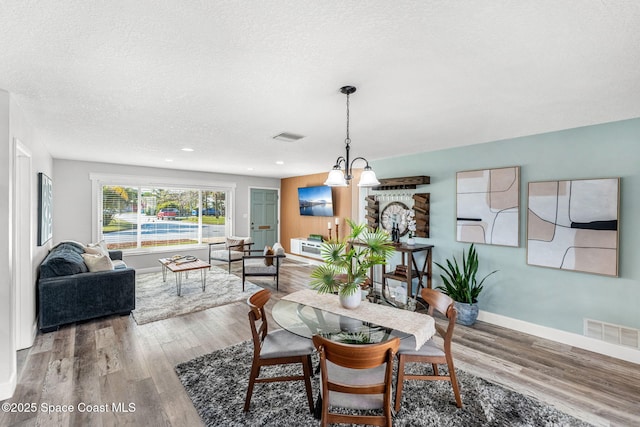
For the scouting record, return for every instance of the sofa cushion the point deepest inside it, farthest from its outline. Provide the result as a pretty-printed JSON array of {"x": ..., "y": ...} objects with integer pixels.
[
  {"x": 256, "y": 266},
  {"x": 63, "y": 260},
  {"x": 226, "y": 255},
  {"x": 98, "y": 262}
]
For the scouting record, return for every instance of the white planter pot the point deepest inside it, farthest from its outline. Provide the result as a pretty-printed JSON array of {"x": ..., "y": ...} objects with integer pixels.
[{"x": 351, "y": 301}]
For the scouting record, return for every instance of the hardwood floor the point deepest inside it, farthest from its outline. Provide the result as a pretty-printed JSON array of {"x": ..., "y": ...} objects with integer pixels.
[{"x": 112, "y": 363}]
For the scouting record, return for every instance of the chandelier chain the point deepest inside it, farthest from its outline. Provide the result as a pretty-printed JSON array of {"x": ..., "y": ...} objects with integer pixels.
[{"x": 347, "y": 141}]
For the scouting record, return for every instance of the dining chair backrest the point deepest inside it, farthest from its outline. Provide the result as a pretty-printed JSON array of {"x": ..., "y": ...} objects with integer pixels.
[
  {"x": 444, "y": 305},
  {"x": 430, "y": 351},
  {"x": 356, "y": 357},
  {"x": 257, "y": 302}
]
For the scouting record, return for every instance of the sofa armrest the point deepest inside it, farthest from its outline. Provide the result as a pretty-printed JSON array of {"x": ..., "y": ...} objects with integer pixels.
[{"x": 115, "y": 255}]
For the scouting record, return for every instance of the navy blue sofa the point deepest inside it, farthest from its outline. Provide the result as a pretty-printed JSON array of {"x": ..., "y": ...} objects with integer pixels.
[{"x": 68, "y": 292}]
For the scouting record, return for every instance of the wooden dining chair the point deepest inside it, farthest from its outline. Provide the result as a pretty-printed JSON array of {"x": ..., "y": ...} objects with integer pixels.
[
  {"x": 431, "y": 352},
  {"x": 278, "y": 347},
  {"x": 356, "y": 376}
]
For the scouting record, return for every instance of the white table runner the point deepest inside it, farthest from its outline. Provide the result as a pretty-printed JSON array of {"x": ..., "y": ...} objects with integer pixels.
[{"x": 421, "y": 326}]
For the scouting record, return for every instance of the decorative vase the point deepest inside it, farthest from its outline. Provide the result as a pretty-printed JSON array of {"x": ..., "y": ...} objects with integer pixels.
[
  {"x": 467, "y": 313},
  {"x": 351, "y": 301},
  {"x": 411, "y": 241}
]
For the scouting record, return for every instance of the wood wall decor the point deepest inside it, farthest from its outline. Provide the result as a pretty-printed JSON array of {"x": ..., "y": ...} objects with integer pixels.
[
  {"x": 373, "y": 212},
  {"x": 402, "y": 183},
  {"x": 421, "y": 208}
]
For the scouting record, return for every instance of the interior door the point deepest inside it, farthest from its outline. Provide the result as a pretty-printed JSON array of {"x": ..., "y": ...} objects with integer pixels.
[
  {"x": 264, "y": 217},
  {"x": 23, "y": 282}
]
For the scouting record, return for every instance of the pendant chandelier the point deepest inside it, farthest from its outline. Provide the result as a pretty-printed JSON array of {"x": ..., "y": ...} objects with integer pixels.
[{"x": 341, "y": 178}]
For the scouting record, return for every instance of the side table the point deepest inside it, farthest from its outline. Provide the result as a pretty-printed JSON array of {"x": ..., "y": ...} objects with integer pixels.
[{"x": 408, "y": 269}]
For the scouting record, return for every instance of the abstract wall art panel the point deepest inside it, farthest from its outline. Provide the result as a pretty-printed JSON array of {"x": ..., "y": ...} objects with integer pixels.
[
  {"x": 573, "y": 225},
  {"x": 45, "y": 202},
  {"x": 488, "y": 206}
]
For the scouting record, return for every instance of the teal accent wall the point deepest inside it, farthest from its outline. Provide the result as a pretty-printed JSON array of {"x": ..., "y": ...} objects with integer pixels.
[{"x": 549, "y": 297}]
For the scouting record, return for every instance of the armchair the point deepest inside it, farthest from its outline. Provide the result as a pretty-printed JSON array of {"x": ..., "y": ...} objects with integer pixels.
[
  {"x": 263, "y": 263},
  {"x": 234, "y": 249}
]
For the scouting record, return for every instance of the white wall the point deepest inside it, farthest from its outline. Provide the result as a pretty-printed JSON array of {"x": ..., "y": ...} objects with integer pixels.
[
  {"x": 7, "y": 345},
  {"x": 14, "y": 125},
  {"x": 72, "y": 202}
]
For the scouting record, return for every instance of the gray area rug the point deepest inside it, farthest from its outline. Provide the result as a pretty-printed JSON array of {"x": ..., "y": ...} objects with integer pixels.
[
  {"x": 217, "y": 384},
  {"x": 157, "y": 300}
]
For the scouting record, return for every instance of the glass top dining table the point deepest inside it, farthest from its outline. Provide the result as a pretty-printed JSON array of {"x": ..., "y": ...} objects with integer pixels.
[{"x": 306, "y": 321}]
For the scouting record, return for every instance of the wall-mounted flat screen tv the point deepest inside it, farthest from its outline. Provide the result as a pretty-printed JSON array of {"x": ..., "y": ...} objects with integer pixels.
[{"x": 315, "y": 201}]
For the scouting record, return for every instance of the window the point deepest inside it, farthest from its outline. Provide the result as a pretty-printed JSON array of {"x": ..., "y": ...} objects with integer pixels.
[{"x": 147, "y": 217}]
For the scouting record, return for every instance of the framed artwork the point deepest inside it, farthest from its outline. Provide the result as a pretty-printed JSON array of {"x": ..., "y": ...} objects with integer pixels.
[
  {"x": 573, "y": 225},
  {"x": 45, "y": 201},
  {"x": 488, "y": 206}
]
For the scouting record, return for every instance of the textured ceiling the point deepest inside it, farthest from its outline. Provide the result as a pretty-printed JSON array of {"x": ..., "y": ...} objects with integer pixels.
[{"x": 135, "y": 81}]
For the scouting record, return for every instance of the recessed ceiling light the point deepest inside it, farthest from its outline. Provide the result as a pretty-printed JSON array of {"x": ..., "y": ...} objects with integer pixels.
[
  {"x": 168, "y": 160},
  {"x": 279, "y": 162},
  {"x": 187, "y": 149},
  {"x": 249, "y": 169}
]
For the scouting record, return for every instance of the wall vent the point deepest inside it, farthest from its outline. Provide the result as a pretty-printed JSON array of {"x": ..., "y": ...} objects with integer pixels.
[
  {"x": 288, "y": 137},
  {"x": 614, "y": 334}
]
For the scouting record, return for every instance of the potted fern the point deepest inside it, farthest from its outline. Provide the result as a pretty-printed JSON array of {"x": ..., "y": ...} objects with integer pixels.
[
  {"x": 347, "y": 262},
  {"x": 462, "y": 285}
]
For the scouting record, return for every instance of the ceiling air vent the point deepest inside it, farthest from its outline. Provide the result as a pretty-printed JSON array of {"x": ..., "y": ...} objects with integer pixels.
[{"x": 288, "y": 137}]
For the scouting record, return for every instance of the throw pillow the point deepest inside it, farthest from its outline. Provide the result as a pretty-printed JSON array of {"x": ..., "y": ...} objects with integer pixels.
[
  {"x": 233, "y": 242},
  {"x": 101, "y": 246},
  {"x": 93, "y": 250},
  {"x": 97, "y": 262},
  {"x": 278, "y": 249},
  {"x": 268, "y": 261}
]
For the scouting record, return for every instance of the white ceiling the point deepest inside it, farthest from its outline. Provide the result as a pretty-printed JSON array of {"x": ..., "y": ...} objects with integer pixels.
[{"x": 135, "y": 81}]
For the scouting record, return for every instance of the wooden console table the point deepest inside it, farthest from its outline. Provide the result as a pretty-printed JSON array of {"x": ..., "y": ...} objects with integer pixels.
[{"x": 410, "y": 269}]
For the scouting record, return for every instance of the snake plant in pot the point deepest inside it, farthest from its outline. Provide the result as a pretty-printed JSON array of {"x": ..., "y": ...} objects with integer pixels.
[
  {"x": 462, "y": 285},
  {"x": 347, "y": 262}
]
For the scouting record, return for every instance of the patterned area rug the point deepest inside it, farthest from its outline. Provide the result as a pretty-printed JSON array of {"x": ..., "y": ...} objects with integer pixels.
[
  {"x": 217, "y": 385},
  {"x": 157, "y": 300}
]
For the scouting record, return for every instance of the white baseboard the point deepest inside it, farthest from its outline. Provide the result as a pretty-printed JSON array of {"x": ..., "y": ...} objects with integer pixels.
[
  {"x": 8, "y": 388},
  {"x": 618, "y": 351},
  {"x": 305, "y": 259}
]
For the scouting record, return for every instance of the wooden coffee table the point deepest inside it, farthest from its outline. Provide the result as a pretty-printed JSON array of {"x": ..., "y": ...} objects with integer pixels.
[{"x": 183, "y": 268}]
